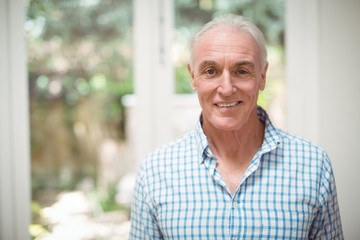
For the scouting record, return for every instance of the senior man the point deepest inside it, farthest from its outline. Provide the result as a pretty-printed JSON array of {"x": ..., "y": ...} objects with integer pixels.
[{"x": 236, "y": 176}]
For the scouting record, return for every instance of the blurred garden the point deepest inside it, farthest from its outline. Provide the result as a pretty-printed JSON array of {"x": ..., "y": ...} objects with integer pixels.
[{"x": 80, "y": 67}]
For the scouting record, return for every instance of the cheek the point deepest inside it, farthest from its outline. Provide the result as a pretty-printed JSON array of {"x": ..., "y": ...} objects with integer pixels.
[
  {"x": 249, "y": 88},
  {"x": 205, "y": 94},
  {"x": 204, "y": 87}
]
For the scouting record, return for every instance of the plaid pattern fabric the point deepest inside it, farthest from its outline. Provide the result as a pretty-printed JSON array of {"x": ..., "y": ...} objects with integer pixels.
[{"x": 287, "y": 192}]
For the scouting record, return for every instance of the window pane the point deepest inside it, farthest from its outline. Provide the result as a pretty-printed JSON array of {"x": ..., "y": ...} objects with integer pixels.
[{"x": 80, "y": 67}]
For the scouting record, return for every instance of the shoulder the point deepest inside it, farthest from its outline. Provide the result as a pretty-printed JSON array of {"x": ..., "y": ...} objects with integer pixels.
[
  {"x": 161, "y": 165},
  {"x": 306, "y": 157},
  {"x": 303, "y": 151},
  {"x": 173, "y": 153},
  {"x": 299, "y": 142},
  {"x": 173, "y": 148},
  {"x": 289, "y": 144}
]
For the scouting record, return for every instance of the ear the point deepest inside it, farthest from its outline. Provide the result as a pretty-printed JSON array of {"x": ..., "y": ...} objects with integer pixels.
[
  {"x": 192, "y": 77},
  {"x": 263, "y": 77}
]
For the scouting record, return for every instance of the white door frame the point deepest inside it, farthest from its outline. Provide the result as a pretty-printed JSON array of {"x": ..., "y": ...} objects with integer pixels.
[{"x": 14, "y": 124}]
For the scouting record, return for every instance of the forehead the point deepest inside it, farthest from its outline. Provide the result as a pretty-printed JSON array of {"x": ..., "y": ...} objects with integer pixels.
[{"x": 225, "y": 42}]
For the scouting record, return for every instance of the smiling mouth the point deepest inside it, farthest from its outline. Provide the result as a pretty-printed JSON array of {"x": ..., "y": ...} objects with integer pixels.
[{"x": 227, "y": 105}]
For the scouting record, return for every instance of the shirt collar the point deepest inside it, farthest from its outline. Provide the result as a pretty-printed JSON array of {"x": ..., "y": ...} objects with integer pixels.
[
  {"x": 201, "y": 141},
  {"x": 271, "y": 136}
]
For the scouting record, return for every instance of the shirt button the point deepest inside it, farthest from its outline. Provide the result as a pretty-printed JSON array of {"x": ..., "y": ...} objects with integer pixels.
[{"x": 234, "y": 205}]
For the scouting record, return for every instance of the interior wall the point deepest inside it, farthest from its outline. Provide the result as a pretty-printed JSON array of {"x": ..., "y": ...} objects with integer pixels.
[
  {"x": 323, "y": 47},
  {"x": 339, "y": 101}
]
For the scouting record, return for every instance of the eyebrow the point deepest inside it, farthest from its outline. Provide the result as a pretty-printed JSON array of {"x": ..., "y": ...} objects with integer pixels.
[
  {"x": 245, "y": 63},
  {"x": 206, "y": 63}
]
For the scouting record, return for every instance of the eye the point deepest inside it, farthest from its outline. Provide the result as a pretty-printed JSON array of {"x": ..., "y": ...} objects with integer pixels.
[
  {"x": 210, "y": 71},
  {"x": 242, "y": 72}
]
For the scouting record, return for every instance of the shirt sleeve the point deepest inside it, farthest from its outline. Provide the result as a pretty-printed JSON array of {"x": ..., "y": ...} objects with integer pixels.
[
  {"x": 143, "y": 220},
  {"x": 327, "y": 222}
]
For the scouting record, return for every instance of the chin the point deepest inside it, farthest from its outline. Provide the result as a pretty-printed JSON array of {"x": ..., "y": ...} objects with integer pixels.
[{"x": 226, "y": 124}]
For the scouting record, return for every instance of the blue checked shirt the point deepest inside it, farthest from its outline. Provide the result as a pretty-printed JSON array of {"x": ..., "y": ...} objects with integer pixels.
[{"x": 287, "y": 192}]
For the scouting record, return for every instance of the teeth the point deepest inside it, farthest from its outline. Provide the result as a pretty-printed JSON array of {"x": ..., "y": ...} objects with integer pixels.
[{"x": 224, "y": 105}]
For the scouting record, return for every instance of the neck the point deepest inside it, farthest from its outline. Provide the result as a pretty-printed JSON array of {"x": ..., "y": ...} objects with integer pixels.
[{"x": 237, "y": 144}]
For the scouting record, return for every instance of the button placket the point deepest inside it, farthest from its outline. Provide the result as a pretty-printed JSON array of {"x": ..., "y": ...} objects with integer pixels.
[{"x": 235, "y": 213}]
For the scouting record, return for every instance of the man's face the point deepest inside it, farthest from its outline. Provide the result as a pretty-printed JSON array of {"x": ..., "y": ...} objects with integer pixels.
[{"x": 227, "y": 75}]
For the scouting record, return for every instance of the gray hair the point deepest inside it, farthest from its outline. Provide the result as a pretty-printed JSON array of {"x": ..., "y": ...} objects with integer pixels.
[{"x": 238, "y": 22}]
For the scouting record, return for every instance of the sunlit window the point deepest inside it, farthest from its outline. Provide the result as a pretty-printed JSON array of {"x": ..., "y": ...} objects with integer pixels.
[{"x": 80, "y": 66}]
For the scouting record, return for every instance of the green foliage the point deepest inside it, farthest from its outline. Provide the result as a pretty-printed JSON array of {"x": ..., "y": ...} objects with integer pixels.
[
  {"x": 72, "y": 43},
  {"x": 80, "y": 66},
  {"x": 182, "y": 80},
  {"x": 38, "y": 231},
  {"x": 268, "y": 15},
  {"x": 108, "y": 201},
  {"x": 78, "y": 48},
  {"x": 35, "y": 210}
]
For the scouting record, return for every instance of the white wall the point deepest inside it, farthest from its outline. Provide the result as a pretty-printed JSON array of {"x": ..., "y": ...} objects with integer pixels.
[
  {"x": 323, "y": 50},
  {"x": 153, "y": 23},
  {"x": 339, "y": 101}
]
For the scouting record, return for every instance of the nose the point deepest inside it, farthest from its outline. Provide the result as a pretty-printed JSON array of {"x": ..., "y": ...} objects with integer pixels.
[{"x": 226, "y": 86}]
